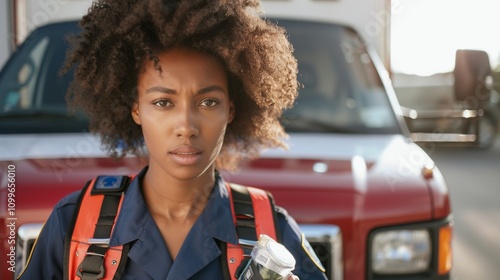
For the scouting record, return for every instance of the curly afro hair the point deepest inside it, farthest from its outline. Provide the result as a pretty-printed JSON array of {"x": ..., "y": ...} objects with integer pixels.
[{"x": 118, "y": 36}]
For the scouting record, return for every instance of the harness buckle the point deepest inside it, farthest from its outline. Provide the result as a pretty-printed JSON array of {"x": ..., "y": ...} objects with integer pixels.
[{"x": 87, "y": 269}]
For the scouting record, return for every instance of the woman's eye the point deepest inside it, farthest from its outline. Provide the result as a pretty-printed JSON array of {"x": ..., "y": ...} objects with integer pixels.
[
  {"x": 209, "y": 102},
  {"x": 162, "y": 103}
]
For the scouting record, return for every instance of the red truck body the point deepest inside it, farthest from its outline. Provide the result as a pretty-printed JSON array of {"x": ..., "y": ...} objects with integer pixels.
[{"x": 345, "y": 188}]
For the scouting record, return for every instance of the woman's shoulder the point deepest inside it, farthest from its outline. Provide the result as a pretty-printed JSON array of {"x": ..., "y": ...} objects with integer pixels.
[
  {"x": 62, "y": 212},
  {"x": 287, "y": 223},
  {"x": 70, "y": 199}
]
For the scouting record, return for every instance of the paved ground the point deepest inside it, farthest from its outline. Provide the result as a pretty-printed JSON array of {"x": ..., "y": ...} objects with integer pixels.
[{"x": 473, "y": 177}]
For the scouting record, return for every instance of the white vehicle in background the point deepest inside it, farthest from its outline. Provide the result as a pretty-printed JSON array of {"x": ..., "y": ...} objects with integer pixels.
[{"x": 371, "y": 18}]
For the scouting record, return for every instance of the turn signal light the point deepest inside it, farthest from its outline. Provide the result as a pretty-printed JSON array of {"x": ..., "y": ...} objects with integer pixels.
[{"x": 445, "y": 252}]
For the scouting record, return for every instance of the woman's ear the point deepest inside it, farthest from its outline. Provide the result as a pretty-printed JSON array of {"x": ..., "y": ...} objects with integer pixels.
[
  {"x": 135, "y": 113},
  {"x": 231, "y": 112}
]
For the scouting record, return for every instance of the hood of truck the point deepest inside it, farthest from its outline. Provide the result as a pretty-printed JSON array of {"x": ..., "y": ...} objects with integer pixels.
[
  {"x": 357, "y": 182},
  {"x": 353, "y": 181},
  {"x": 374, "y": 179}
]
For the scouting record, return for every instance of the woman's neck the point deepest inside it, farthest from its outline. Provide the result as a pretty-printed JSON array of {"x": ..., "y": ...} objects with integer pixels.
[{"x": 176, "y": 200}]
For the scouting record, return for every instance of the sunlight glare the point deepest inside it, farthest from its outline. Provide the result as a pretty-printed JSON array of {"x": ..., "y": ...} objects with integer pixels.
[{"x": 426, "y": 33}]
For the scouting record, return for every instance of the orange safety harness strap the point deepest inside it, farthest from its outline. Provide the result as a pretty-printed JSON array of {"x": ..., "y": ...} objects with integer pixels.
[
  {"x": 92, "y": 258},
  {"x": 253, "y": 214}
]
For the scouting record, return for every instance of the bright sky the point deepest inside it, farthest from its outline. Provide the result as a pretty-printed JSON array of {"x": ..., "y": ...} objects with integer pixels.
[{"x": 426, "y": 33}]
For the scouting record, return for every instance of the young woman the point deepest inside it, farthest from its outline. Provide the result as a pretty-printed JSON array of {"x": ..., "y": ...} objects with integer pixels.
[{"x": 200, "y": 85}]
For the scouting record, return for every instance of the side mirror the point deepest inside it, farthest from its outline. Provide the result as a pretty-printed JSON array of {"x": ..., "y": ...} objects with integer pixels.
[{"x": 472, "y": 78}]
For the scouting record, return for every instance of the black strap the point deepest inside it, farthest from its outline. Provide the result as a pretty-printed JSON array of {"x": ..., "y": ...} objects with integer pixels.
[
  {"x": 107, "y": 215},
  {"x": 245, "y": 217}
]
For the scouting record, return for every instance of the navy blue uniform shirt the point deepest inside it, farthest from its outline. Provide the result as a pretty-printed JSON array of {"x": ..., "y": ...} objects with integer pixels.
[{"x": 199, "y": 257}]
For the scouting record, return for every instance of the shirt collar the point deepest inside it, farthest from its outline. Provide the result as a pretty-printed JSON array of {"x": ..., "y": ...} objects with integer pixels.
[
  {"x": 218, "y": 215},
  {"x": 134, "y": 214}
]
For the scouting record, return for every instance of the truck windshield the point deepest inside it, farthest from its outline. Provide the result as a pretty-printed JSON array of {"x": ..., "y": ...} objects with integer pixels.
[{"x": 341, "y": 91}]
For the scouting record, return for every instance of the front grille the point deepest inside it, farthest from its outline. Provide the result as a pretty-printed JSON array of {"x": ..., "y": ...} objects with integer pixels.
[{"x": 326, "y": 240}]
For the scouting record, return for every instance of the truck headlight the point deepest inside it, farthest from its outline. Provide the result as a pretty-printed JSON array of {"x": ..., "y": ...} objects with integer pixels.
[{"x": 401, "y": 251}]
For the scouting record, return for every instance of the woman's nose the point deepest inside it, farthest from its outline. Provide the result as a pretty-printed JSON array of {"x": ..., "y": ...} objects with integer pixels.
[{"x": 186, "y": 123}]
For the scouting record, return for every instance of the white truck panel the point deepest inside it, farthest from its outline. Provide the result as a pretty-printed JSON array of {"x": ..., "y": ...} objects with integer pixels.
[
  {"x": 371, "y": 18},
  {"x": 33, "y": 13}
]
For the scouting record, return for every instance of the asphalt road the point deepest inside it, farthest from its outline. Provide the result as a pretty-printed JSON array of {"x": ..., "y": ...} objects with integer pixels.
[{"x": 473, "y": 178}]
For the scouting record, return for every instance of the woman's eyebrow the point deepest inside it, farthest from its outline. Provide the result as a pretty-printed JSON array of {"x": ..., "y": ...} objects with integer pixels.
[
  {"x": 172, "y": 91},
  {"x": 160, "y": 89},
  {"x": 210, "y": 89}
]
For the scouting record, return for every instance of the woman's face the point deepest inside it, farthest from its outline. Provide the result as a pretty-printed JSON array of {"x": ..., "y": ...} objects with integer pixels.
[{"x": 184, "y": 112}]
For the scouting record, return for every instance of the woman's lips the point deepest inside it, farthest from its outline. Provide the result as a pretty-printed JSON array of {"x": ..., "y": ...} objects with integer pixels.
[{"x": 186, "y": 155}]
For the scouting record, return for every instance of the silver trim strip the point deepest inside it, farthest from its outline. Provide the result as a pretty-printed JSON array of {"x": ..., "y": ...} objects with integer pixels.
[
  {"x": 246, "y": 242},
  {"x": 442, "y": 137},
  {"x": 99, "y": 241}
]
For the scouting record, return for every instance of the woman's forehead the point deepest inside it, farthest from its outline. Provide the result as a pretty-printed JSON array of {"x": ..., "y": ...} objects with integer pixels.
[{"x": 181, "y": 65}]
